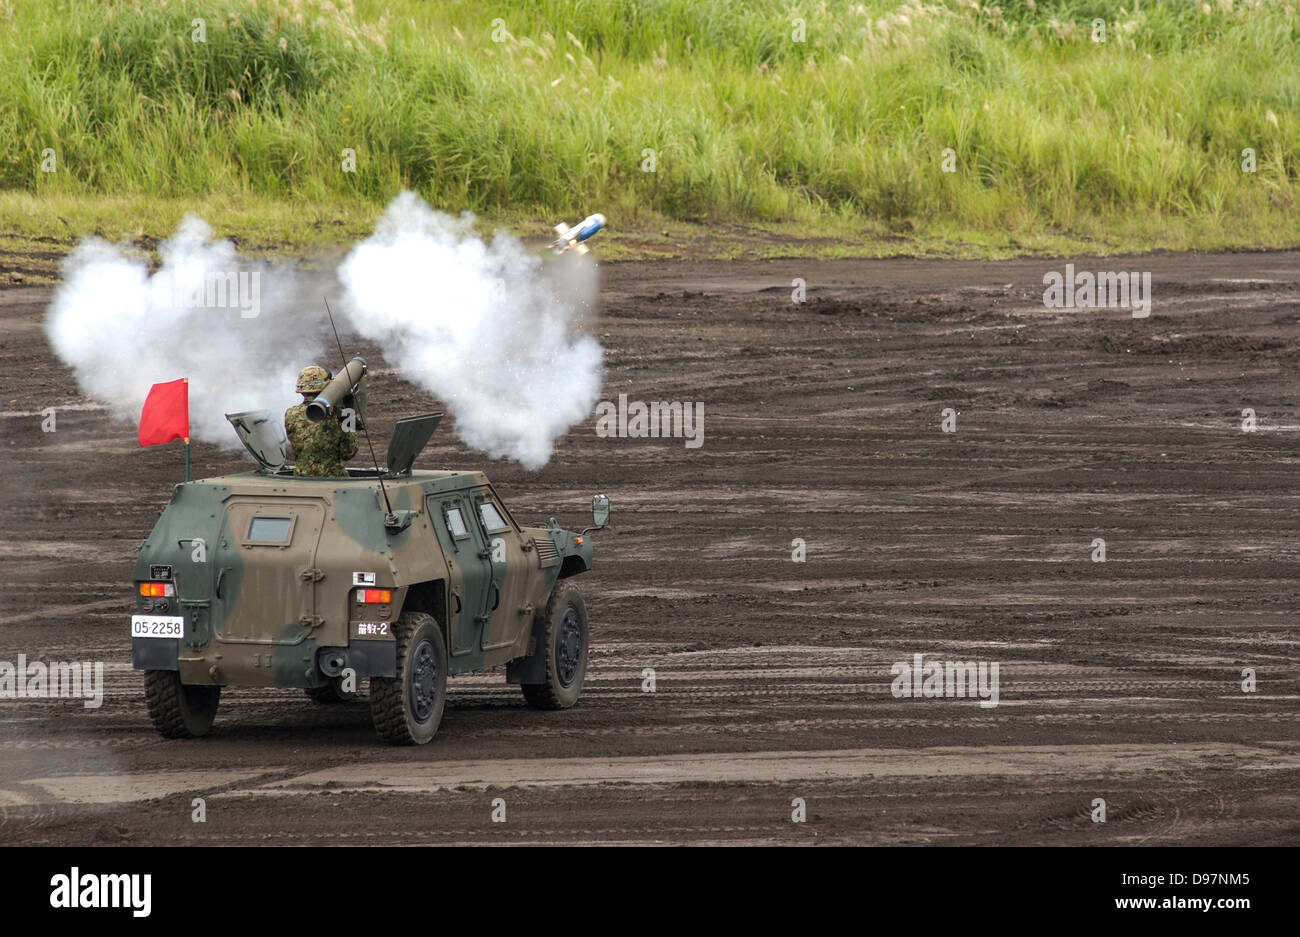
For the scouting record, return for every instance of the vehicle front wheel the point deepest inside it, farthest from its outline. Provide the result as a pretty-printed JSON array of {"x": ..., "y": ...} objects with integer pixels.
[
  {"x": 179, "y": 710},
  {"x": 407, "y": 708},
  {"x": 564, "y": 651}
]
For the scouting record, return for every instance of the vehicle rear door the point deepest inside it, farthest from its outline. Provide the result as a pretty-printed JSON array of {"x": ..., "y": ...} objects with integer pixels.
[{"x": 265, "y": 572}]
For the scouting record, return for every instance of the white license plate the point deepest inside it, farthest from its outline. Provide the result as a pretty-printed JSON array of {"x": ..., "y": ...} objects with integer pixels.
[{"x": 157, "y": 626}]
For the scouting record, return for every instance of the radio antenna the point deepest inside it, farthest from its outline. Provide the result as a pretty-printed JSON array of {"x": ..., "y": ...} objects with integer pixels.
[{"x": 388, "y": 507}]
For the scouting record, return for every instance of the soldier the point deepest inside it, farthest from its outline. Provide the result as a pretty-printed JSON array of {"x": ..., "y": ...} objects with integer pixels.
[{"x": 320, "y": 448}]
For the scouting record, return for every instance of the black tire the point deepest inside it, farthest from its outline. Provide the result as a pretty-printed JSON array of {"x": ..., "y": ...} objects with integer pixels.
[
  {"x": 565, "y": 645},
  {"x": 407, "y": 708},
  {"x": 332, "y": 692},
  {"x": 178, "y": 710}
]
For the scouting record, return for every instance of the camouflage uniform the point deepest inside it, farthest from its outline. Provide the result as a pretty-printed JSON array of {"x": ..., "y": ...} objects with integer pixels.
[{"x": 320, "y": 448}]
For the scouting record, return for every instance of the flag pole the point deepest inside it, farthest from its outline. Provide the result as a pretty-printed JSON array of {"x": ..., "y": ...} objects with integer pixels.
[{"x": 187, "y": 428}]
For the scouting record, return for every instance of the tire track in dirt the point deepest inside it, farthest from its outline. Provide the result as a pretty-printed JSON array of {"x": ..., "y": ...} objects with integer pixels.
[{"x": 822, "y": 423}]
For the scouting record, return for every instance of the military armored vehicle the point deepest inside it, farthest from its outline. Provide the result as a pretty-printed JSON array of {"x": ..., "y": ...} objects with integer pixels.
[{"x": 403, "y": 576}]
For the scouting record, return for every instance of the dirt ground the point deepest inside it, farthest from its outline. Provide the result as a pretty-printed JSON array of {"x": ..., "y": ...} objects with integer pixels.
[{"x": 1120, "y": 680}]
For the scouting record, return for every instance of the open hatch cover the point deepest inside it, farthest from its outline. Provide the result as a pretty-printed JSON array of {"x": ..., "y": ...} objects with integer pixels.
[
  {"x": 262, "y": 433},
  {"x": 409, "y": 437}
]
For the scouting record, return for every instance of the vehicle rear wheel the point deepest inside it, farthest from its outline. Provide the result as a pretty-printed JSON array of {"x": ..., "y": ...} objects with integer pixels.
[
  {"x": 179, "y": 710},
  {"x": 564, "y": 651},
  {"x": 407, "y": 708}
]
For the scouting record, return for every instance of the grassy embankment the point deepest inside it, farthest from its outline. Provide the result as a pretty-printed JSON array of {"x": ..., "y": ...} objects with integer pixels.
[{"x": 763, "y": 145}]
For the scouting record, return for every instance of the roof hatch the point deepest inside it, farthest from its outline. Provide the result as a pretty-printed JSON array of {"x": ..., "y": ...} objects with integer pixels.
[
  {"x": 409, "y": 437},
  {"x": 262, "y": 433}
]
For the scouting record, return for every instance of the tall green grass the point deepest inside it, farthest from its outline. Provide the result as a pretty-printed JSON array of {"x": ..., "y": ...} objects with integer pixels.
[{"x": 1051, "y": 131}]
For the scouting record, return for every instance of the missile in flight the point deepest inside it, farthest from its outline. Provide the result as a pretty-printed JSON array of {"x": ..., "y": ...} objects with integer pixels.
[{"x": 573, "y": 237}]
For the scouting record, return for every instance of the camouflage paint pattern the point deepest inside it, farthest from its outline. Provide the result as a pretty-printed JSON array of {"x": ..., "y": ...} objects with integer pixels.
[{"x": 257, "y": 609}]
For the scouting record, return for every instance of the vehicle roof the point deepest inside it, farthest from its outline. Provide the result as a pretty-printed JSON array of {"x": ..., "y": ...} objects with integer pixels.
[{"x": 263, "y": 483}]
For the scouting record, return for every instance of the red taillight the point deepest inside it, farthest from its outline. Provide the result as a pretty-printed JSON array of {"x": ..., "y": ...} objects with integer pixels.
[
  {"x": 156, "y": 590},
  {"x": 375, "y": 596}
]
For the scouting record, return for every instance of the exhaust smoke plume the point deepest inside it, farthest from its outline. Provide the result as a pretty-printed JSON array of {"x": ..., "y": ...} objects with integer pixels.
[
  {"x": 481, "y": 326},
  {"x": 122, "y": 330},
  {"x": 478, "y": 326}
]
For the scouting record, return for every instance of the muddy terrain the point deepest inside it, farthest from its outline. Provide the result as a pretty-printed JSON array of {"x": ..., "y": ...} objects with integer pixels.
[{"x": 1120, "y": 680}]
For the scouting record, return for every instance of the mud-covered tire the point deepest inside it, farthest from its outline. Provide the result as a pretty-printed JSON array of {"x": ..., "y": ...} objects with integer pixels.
[
  {"x": 566, "y": 638},
  {"x": 331, "y": 693},
  {"x": 407, "y": 708},
  {"x": 177, "y": 710}
]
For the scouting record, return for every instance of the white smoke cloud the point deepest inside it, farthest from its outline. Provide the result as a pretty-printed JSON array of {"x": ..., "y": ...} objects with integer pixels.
[
  {"x": 122, "y": 330},
  {"x": 481, "y": 326},
  {"x": 478, "y": 325}
]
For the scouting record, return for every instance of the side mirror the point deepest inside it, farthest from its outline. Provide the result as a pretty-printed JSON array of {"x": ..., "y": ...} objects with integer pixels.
[{"x": 600, "y": 511}]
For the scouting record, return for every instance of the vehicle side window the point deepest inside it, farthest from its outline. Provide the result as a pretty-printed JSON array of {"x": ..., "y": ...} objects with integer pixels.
[
  {"x": 456, "y": 524},
  {"x": 492, "y": 519}
]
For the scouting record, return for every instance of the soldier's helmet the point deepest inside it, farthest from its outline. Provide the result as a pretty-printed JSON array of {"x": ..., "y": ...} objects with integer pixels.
[{"x": 312, "y": 379}]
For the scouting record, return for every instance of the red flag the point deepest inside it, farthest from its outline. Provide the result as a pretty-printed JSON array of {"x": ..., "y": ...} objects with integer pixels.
[{"x": 166, "y": 413}]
